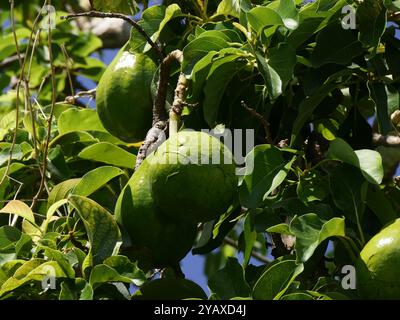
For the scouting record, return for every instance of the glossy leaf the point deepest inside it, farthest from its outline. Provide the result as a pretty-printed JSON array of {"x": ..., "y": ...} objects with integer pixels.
[
  {"x": 96, "y": 179},
  {"x": 368, "y": 161},
  {"x": 79, "y": 120},
  {"x": 171, "y": 289},
  {"x": 110, "y": 154},
  {"x": 265, "y": 171},
  {"x": 274, "y": 282},
  {"x": 229, "y": 282},
  {"x": 311, "y": 231},
  {"x": 20, "y": 209},
  {"x": 102, "y": 230},
  {"x": 348, "y": 190}
]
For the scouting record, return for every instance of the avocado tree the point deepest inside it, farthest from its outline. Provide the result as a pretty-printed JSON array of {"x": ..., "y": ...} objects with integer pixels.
[{"x": 261, "y": 135}]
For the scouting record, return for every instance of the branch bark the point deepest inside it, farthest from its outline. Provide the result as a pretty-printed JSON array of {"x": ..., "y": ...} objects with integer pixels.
[
  {"x": 160, "y": 116},
  {"x": 387, "y": 141},
  {"x": 133, "y": 23},
  {"x": 264, "y": 122},
  {"x": 255, "y": 255}
]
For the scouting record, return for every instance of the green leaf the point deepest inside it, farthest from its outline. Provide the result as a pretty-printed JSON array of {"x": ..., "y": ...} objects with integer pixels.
[
  {"x": 288, "y": 12},
  {"x": 96, "y": 179},
  {"x": 260, "y": 18},
  {"x": 368, "y": 161},
  {"x": 214, "y": 233},
  {"x": 265, "y": 171},
  {"x": 170, "y": 289},
  {"x": 272, "y": 80},
  {"x": 7, "y": 123},
  {"x": 32, "y": 270},
  {"x": 123, "y": 6},
  {"x": 60, "y": 258},
  {"x": 308, "y": 105},
  {"x": 61, "y": 191},
  {"x": 336, "y": 45},
  {"x": 250, "y": 237},
  {"x": 274, "y": 282},
  {"x": 283, "y": 59},
  {"x": 198, "y": 48},
  {"x": 282, "y": 228},
  {"x": 51, "y": 211},
  {"x": 371, "y": 17},
  {"x": 7, "y": 43},
  {"x": 102, "y": 230},
  {"x": 79, "y": 120},
  {"x": 380, "y": 205},
  {"x": 77, "y": 289},
  {"x": 71, "y": 138},
  {"x": 311, "y": 231},
  {"x": 171, "y": 12},
  {"x": 297, "y": 296},
  {"x": 151, "y": 20},
  {"x": 57, "y": 165},
  {"x": 229, "y": 282},
  {"x": 8, "y": 238},
  {"x": 84, "y": 45},
  {"x": 312, "y": 187},
  {"x": 20, "y": 209},
  {"x": 229, "y": 8},
  {"x": 348, "y": 190},
  {"x": 127, "y": 269},
  {"x": 16, "y": 154},
  {"x": 108, "y": 153},
  {"x": 309, "y": 22},
  {"x": 379, "y": 95},
  {"x": 102, "y": 273},
  {"x": 219, "y": 76}
]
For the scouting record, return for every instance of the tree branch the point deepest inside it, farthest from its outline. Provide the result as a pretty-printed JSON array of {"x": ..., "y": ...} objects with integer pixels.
[
  {"x": 255, "y": 255},
  {"x": 133, "y": 23},
  {"x": 387, "y": 141},
  {"x": 72, "y": 99},
  {"x": 264, "y": 122},
  {"x": 160, "y": 115}
]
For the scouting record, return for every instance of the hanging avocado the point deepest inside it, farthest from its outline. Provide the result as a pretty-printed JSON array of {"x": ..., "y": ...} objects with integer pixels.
[{"x": 123, "y": 97}]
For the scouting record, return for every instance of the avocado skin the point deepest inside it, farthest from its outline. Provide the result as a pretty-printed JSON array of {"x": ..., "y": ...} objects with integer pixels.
[
  {"x": 378, "y": 267},
  {"x": 166, "y": 242},
  {"x": 123, "y": 98},
  {"x": 187, "y": 185}
]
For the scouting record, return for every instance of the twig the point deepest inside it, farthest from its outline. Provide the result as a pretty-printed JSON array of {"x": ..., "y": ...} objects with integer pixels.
[
  {"x": 23, "y": 200},
  {"x": 387, "y": 141},
  {"x": 80, "y": 94},
  {"x": 17, "y": 98},
  {"x": 262, "y": 120},
  {"x": 31, "y": 112},
  {"x": 7, "y": 61},
  {"x": 49, "y": 120},
  {"x": 133, "y": 23},
  {"x": 255, "y": 255},
  {"x": 160, "y": 115},
  {"x": 22, "y": 62},
  {"x": 67, "y": 67}
]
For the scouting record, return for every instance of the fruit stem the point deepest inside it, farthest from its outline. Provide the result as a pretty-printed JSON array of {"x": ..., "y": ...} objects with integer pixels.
[
  {"x": 177, "y": 106},
  {"x": 174, "y": 121}
]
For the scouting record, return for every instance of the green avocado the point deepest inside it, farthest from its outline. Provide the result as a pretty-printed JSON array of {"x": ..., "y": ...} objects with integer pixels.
[
  {"x": 123, "y": 96},
  {"x": 166, "y": 241},
  {"x": 193, "y": 177},
  {"x": 378, "y": 268}
]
